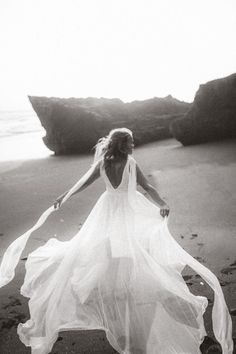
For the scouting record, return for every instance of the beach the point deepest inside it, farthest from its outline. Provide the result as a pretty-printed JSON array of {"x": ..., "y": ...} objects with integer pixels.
[{"x": 198, "y": 183}]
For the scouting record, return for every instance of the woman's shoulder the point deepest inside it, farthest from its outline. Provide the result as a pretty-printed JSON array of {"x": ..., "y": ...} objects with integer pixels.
[{"x": 96, "y": 165}]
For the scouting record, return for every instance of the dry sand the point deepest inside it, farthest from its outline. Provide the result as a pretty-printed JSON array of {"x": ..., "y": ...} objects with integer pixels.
[{"x": 198, "y": 183}]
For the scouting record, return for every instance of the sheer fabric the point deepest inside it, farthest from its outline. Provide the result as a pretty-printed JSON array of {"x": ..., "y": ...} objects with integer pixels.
[
  {"x": 13, "y": 253},
  {"x": 121, "y": 273}
]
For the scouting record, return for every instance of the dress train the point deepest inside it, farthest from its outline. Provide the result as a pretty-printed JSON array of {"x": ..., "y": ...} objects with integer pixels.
[{"x": 120, "y": 273}]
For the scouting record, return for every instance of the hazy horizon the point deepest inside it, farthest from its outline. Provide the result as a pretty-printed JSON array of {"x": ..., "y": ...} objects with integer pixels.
[{"x": 126, "y": 49}]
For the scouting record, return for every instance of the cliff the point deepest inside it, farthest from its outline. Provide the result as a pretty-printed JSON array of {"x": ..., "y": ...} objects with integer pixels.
[
  {"x": 212, "y": 115},
  {"x": 74, "y": 125}
]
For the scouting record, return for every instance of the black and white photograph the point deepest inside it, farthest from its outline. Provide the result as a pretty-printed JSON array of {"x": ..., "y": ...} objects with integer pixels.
[{"x": 117, "y": 177}]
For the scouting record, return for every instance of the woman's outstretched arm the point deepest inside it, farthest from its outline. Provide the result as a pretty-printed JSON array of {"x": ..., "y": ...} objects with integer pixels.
[
  {"x": 95, "y": 175},
  {"x": 143, "y": 182}
]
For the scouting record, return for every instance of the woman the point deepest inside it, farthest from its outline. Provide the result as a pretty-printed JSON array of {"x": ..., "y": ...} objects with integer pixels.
[
  {"x": 121, "y": 272},
  {"x": 120, "y": 146}
]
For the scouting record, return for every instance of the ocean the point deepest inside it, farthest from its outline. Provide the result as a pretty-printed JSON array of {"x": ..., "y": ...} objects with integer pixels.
[{"x": 21, "y": 136}]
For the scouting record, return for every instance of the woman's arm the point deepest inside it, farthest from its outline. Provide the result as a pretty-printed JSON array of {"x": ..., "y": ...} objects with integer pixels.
[
  {"x": 95, "y": 175},
  {"x": 143, "y": 182}
]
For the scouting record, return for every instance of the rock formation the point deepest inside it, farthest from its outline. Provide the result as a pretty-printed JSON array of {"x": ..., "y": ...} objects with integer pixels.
[
  {"x": 74, "y": 125},
  {"x": 212, "y": 115}
]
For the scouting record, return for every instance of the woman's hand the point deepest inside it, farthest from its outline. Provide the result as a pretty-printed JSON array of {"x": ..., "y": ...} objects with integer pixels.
[
  {"x": 165, "y": 210},
  {"x": 58, "y": 201}
]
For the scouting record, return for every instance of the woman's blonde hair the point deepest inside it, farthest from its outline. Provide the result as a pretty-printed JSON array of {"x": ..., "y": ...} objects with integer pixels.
[{"x": 111, "y": 145}]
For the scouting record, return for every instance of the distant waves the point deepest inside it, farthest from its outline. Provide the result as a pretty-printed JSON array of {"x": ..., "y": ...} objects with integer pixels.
[
  {"x": 18, "y": 122},
  {"x": 21, "y": 136}
]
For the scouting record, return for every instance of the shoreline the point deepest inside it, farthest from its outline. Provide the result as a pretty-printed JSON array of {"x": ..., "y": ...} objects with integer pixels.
[
  {"x": 19, "y": 148},
  {"x": 198, "y": 182}
]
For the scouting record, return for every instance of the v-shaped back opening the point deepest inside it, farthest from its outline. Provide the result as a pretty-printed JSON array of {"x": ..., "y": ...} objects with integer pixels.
[{"x": 122, "y": 175}]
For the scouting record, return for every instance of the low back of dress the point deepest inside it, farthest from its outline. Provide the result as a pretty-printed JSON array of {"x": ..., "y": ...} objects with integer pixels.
[{"x": 123, "y": 186}]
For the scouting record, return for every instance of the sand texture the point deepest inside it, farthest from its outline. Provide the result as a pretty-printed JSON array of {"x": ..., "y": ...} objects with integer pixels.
[{"x": 199, "y": 184}]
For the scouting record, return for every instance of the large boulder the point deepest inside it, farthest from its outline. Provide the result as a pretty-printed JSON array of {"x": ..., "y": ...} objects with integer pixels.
[
  {"x": 212, "y": 115},
  {"x": 74, "y": 125}
]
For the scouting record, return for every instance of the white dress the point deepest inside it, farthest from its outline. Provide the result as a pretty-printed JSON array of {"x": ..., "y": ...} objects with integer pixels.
[{"x": 120, "y": 273}]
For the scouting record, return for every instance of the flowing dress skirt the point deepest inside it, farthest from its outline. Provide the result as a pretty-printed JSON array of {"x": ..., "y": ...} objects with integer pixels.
[{"x": 121, "y": 273}]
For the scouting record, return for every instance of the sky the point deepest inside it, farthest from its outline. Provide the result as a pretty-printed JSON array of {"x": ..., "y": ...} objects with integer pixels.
[{"x": 129, "y": 49}]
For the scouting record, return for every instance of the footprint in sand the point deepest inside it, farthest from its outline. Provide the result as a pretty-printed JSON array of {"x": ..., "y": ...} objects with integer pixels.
[
  {"x": 187, "y": 278},
  {"x": 193, "y": 236},
  {"x": 8, "y": 323},
  {"x": 225, "y": 283},
  {"x": 13, "y": 302},
  {"x": 228, "y": 270}
]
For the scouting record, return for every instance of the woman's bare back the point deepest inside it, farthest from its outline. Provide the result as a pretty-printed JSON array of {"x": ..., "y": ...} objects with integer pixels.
[{"x": 114, "y": 171}]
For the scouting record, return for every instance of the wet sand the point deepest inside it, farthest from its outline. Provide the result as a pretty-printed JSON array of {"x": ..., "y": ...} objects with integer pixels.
[{"x": 198, "y": 183}]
